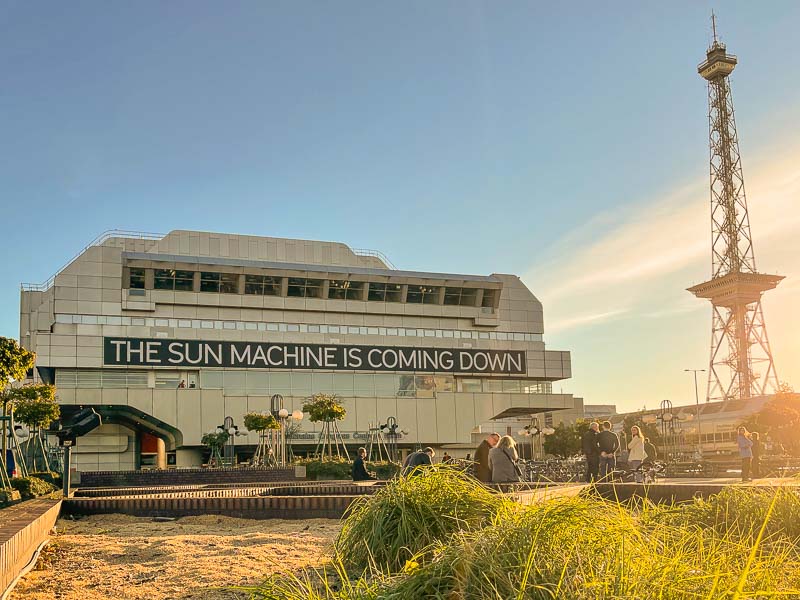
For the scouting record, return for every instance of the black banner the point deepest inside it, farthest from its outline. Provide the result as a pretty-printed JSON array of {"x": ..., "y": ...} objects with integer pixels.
[{"x": 267, "y": 355}]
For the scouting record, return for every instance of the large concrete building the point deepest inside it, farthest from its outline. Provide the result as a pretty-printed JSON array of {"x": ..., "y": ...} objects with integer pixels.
[{"x": 166, "y": 336}]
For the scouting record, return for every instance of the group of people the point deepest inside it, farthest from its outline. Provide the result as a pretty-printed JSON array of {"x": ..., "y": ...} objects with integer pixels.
[
  {"x": 496, "y": 460},
  {"x": 600, "y": 447},
  {"x": 750, "y": 453}
]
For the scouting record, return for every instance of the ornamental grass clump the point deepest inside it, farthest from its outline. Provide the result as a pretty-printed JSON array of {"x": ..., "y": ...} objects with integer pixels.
[
  {"x": 586, "y": 549},
  {"x": 388, "y": 529}
]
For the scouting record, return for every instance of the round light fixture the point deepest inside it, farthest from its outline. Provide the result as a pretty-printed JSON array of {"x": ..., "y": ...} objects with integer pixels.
[
  {"x": 297, "y": 414},
  {"x": 283, "y": 413}
]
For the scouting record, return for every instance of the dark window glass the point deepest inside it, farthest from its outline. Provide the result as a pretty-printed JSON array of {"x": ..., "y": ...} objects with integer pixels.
[
  {"x": 488, "y": 298},
  {"x": 468, "y": 296},
  {"x": 423, "y": 294},
  {"x": 406, "y": 386},
  {"x": 377, "y": 292},
  {"x": 262, "y": 285},
  {"x": 171, "y": 279},
  {"x": 229, "y": 283},
  {"x": 164, "y": 279},
  {"x": 184, "y": 281},
  {"x": 394, "y": 292},
  {"x": 345, "y": 290},
  {"x": 137, "y": 279},
  {"x": 304, "y": 288},
  {"x": 209, "y": 282}
]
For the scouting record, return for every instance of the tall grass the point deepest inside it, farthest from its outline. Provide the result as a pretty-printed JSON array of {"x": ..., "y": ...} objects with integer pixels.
[
  {"x": 443, "y": 537},
  {"x": 411, "y": 513}
]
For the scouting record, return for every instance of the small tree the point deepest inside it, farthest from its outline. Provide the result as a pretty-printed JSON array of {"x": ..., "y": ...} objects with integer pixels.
[
  {"x": 565, "y": 441},
  {"x": 215, "y": 441},
  {"x": 326, "y": 409},
  {"x": 15, "y": 362},
  {"x": 780, "y": 419},
  {"x": 262, "y": 422},
  {"x": 35, "y": 405}
]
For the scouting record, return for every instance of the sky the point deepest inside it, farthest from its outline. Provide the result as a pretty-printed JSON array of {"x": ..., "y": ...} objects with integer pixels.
[{"x": 563, "y": 142}]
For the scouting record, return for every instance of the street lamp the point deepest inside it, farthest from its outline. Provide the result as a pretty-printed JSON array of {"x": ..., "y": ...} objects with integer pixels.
[{"x": 697, "y": 405}]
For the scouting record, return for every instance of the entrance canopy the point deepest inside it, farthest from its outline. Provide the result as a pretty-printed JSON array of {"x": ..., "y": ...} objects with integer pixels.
[
  {"x": 130, "y": 417},
  {"x": 516, "y": 412}
]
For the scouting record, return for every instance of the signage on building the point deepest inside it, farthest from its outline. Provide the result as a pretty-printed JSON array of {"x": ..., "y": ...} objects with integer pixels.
[{"x": 266, "y": 355}]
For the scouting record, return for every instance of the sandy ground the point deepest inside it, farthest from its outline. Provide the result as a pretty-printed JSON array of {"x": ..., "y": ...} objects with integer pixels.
[{"x": 116, "y": 556}]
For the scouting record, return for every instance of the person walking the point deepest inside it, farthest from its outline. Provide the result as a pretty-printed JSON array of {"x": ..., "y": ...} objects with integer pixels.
[
  {"x": 591, "y": 451},
  {"x": 503, "y": 461},
  {"x": 482, "y": 470},
  {"x": 360, "y": 472},
  {"x": 636, "y": 453},
  {"x": 418, "y": 460},
  {"x": 608, "y": 442},
  {"x": 745, "y": 452},
  {"x": 755, "y": 467}
]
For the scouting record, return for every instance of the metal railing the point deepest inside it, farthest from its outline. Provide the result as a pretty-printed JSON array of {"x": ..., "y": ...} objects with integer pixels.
[
  {"x": 106, "y": 235},
  {"x": 376, "y": 253}
]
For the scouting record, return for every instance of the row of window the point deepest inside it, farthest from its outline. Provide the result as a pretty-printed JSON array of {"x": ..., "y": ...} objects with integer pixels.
[
  {"x": 297, "y": 327},
  {"x": 299, "y": 287},
  {"x": 289, "y": 383}
]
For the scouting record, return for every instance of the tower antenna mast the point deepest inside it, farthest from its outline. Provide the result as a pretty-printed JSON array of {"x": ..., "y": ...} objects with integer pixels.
[{"x": 741, "y": 364}]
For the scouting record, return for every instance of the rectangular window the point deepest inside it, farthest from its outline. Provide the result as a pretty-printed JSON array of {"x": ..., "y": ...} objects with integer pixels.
[
  {"x": 454, "y": 296},
  {"x": 406, "y": 386},
  {"x": 137, "y": 279},
  {"x": 386, "y": 384},
  {"x": 425, "y": 386},
  {"x": 262, "y": 285},
  {"x": 345, "y": 290},
  {"x": 423, "y": 294},
  {"x": 385, "y": 292},
  {"x": 222, "y": 283},
  {"x": 489, "y": 298},
  {"x": 444, "y": 383},
  {"x": 172, "y": 279},
  {"x": 511, "y": 385},
  {"x": 304, "y": 288}
]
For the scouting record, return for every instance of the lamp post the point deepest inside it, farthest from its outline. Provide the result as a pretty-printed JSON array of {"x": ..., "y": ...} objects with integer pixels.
[{"x": 697, "y": 405}]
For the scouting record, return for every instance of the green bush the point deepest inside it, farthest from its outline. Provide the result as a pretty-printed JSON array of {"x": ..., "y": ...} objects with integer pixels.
[
  {"x": 411, "y": 513},
  {"x": 32, "y": 487},
  {"x": 8, "y": 496},
  {"x": 50, "y": 477}
]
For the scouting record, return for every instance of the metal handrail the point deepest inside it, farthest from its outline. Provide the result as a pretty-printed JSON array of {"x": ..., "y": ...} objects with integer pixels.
[
  {"x": 111, "y": 233},
  {"x": 376, "y": 253}
]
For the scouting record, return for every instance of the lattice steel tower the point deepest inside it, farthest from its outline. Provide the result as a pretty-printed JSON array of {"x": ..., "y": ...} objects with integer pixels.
[{"x": 741, "y": 364}]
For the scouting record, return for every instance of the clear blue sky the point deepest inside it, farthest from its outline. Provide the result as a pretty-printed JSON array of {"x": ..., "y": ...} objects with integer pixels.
[{"x": 453, "y": 135}]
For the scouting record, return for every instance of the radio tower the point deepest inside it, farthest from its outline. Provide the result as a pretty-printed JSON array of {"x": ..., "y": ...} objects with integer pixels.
[{"x": 741, "y": 364}]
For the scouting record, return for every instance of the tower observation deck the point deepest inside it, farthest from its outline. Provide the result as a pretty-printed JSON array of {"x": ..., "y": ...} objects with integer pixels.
[{"x": 741, "y": 364}]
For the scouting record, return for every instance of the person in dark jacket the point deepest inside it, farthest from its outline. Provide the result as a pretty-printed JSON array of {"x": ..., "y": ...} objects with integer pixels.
[
  {"x": 360, "y": 472},
  {"x": 418, "y": 460},
  {"x": 608, "y": 442},
  {"x": 591, "y": 451},
  {"x": 652, "y": 453},
  {"x": 482, "y": 471}
]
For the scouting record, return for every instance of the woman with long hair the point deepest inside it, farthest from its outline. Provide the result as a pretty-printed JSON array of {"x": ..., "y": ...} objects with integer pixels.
[
  {"x": 636, "y": 452},
  {"x": 503, "y": 460},
  {"x": 745, "y": 452}
]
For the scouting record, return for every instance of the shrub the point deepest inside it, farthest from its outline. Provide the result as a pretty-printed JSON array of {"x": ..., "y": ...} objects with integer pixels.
[
  {"x": 8, "y": 496},
  {"x": 50, "y": 477},
  {"x": 411, "y": 513},
  {"x": 32, "y": 487}
]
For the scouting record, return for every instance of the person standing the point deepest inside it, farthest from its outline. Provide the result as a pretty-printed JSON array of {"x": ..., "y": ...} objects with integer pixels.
[
  {"x": 608, "y": 443},
  {"x": 591, "y": 451},
  {"x": 503, "y": 461},
  {"x": 360, "y": 472},
  {"x": 482, "y": 470},
  {"x": 755, "y": 467},
  {"x": 636, "y": 453},
  {"x": 651, "y": 454},
  {"x": 745, "y": 452}
]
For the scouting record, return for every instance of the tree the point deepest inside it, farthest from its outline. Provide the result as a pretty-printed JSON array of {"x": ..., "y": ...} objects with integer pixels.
[
  {"x": 215, "y": 441},
  {"x": 649, "y": 430},
  {"x": 327, "y": 409},
  {"x": 35, "y": 405},
  {"x": 565, "y": 441},
  {"x": 779, "y": 419},
  {"x": 15, "y": 362},
  {"x": 261, "y": 422}
]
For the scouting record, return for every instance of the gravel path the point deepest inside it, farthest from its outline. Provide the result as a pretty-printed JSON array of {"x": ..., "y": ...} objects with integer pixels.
[{"x": 116, "y": 556}]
